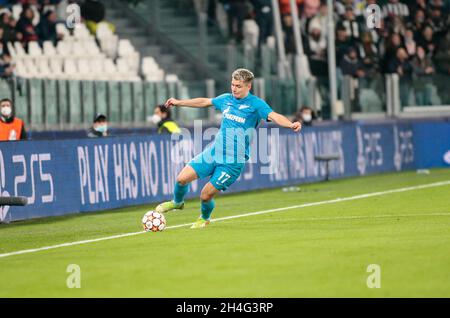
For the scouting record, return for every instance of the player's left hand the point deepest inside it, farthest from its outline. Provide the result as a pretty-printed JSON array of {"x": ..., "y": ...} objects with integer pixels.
[{"x": 296, "y": 127}]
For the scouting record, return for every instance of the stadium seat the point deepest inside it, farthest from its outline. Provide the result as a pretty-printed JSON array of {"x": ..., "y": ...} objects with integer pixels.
[
  {"x": 123, "y": 67},
  {"x": 109, "y": 45},
  {"x": 125, "y": 48},
  {"x": 81, "y": 32},
  {"x": 20, "y": 50},
  {"x": 34, "y": 49},
  {"x": 155, "y": 76},
  {"x": 70, "y": 69},
  {"x": 103, "y": 31},
  {"x": 31, "y": 69},
  {"x": 84, "y": 68},
  {"x": 171, "y": 78},
  {"x": 64, "y": 48},
  {"x": 20, "y": 69},
  {"x": 56, "y": 66},
  {"x": 48, "y": 49},
  {"x": 61, "y": 29},
  {"x": 43, "y": 68},
  {"x": 79, "y": 56}
]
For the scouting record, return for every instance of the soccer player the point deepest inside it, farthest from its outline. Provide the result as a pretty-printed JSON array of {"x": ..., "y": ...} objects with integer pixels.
[{"x": 241, "y": 111}]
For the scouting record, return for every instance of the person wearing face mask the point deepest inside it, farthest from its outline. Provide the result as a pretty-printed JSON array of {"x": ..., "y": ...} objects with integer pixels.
[
  {"x": 305, "y": 115},
  {"x": 11, "y": 127},
  {"x": 163, "y": 119},
  {"x": 99, "y": 128}
]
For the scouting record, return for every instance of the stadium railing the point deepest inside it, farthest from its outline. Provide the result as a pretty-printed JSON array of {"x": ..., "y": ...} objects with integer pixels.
[
  {"x": 391, "y": 95},
  {"x": 47, "y": 104}
]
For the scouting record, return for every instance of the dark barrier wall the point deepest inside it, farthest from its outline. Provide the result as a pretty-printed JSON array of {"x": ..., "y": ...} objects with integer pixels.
[{"x": 70, "y": 176}]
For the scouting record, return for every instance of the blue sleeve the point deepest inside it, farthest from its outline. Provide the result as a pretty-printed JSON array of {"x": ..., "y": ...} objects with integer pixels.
[
  {"x": 263, "y": 109},
  {"x": 219, "y": 101}
]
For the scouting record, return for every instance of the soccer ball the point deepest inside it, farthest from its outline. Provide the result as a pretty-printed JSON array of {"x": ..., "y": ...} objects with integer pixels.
[{"x": 153, "y": 221}]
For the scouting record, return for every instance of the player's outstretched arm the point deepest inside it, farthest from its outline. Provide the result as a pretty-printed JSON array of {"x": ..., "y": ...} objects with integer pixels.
[
  {"x": 282, "y": 121},
  {"x": 195, "y": 102}
]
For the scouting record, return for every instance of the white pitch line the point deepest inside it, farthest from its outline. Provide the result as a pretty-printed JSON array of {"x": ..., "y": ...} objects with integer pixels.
[{"x": 352, "y": 198}]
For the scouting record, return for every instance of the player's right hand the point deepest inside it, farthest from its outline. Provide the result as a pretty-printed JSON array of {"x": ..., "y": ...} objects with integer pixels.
[
  {"x": 171, "y": 102},
  {"x": 296, "y": 127}
]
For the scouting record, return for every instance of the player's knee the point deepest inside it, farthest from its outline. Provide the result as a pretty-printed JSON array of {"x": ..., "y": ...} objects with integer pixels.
[
  {"x": 182, "y": 180},
  {"x": 206, "y": 196}
]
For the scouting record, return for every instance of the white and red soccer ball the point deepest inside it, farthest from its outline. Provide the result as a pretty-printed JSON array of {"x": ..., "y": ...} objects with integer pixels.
[{"x": 153, "y": 222}]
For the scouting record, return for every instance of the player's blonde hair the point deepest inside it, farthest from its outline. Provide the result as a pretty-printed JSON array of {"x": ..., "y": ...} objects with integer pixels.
[{"x": 242, "y": 74}]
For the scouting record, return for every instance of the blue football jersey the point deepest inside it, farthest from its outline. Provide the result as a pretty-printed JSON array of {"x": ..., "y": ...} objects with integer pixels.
[{"x": 240, "y": 119}]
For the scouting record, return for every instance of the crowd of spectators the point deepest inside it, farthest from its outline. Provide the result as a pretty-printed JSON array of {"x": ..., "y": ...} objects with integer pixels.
[
  {"x": 413, "y": 37},
  {"x": 38, "y": 21}
]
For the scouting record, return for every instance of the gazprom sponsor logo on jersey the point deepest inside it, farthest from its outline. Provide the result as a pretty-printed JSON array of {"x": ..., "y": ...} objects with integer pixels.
[
  {"x": 234, "y": 118},
  {"x": 227, "y": 115}
]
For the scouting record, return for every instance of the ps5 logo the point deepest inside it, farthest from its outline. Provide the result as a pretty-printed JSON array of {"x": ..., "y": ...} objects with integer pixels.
[{"x": 373, "y": 16}]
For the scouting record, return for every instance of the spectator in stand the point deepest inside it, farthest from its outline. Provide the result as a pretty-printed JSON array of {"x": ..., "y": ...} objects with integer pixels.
[
  {"x": 427, "y": 40},
  {"x": 316, "y": 49},
  {"x": 26, "y": 27},
  {"x": 400, "y": 64},
  {"x": 264, "y": 19},
  {"x": 236, "y": 13},
  {"x": 395, "y": 8},
  {"x": 93, "y": 10},
  {"x": 437, "y": 21},
  {"x": 352, "y": 26},
  {"x": 162, "y": 117},
  {"x": 11, "y": 127},
  {"x": 395, "y": 24},
  {"x": 46, "y": 29},
  {"x": 442, "y": 57},
  {"x": 410, "y": 43},
  {"x": 305, "y": 115},
  {"x": 309, "y": 9},
  {"x": 286, "y": 20},
  {"x": 422, "y": 64},
  {"x": 8, "y": 24},
  {"x": 339, "y": 7},
  {"x": 419, "y": 22},
  {"x": 417, "y": 5},
  {"x": 423, "y": 68},
  {"x": 369, "y": 55},
  {"x": 321, "y": 18},
  {"x": 6, "y": 67},
  {"x": 393, "y": 44},
  {"x": 351, "y": 64},
  {"x": 343, "y": 42},
  {"x": 99, "y": 128},
  {"x": 285, "y": 6}
]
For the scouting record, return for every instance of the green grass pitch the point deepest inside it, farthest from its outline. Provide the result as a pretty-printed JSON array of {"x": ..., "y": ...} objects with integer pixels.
[{"x": 317, "y": 251}]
